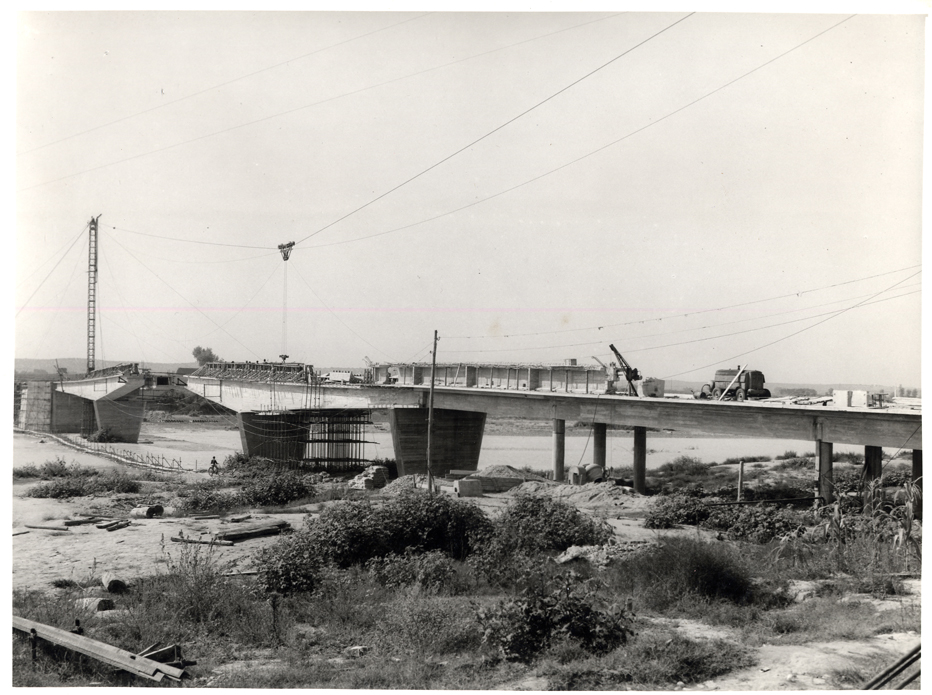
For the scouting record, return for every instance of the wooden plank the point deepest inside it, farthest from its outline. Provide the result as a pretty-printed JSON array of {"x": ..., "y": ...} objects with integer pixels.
[
  {"x": 106, "y": 653},
  {"x": 81, "y": 522},
  {"x": 47, "y": 528},
  {"x": 177, "y": 539}
]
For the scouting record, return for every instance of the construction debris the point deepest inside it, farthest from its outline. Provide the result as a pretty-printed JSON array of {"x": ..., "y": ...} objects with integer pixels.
[
  {"x": 112, "y": 583},
  {"x": 373, "y": 478},
  {"x": 81, "y": 522},
  {"x": 135, "y": 664},
  {"x": 94, "y": 604},
  {"x": 265, "y": 528},
  {"x": 108, "y": 524},
  {"x": 147, "y": 511},
  {"x": 182, "y": 539},
  {"x": 47, "y": 528},
  {"x": 117, "y": 526}
]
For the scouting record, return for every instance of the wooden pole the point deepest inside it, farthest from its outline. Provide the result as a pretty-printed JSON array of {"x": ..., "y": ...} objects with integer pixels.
[
  {"x": 430, "y": 416},
  {"x": 740, "y": 480},
  {"x": 598, "y": 443},
  {"x": 917, "y": 479}
]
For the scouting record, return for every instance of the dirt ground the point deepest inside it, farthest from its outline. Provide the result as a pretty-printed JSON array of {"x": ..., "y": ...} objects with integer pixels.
[{"x": 41, "y": 556}]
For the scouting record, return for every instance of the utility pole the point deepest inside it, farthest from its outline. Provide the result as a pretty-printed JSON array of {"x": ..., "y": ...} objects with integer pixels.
[
  {"x": 91, "y": 292},
  {"x": 286, "y": 254},
  {"x": 430, "y": 415}
]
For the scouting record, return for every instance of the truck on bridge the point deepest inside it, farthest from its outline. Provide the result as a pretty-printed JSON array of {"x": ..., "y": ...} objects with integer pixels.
[{"x": 737, "y": 384}]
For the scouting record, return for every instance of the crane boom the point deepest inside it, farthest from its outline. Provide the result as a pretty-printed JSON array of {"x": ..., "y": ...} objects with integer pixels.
[{"x": 631, "y": 374}]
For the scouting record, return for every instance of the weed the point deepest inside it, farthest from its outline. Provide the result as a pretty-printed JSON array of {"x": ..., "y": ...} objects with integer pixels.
[
  {"x": 745, "y": 459},
  {"x": 520, "y": 628},
  {"x": 683, "y": 568},
  {"x": 788, "y": 454}
]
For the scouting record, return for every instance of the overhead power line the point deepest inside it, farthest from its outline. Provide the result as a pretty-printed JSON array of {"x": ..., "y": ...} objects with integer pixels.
[
  {"x": 682, "y": 342},
  {"x": 190, "y": 303},
  {"x": 294, "y": 110},
  {"x": 802, "y": 330},
  {"x": 192, "y": 241},
  {"x": 689, "y": 313},
  {"x": 480, "y": 201},
  {"x": 218, "y": 86},
  {"x": 496, "y": 129}
]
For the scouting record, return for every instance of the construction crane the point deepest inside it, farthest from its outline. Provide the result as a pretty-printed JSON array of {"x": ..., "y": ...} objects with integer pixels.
[{"x": 631, "y": 374}]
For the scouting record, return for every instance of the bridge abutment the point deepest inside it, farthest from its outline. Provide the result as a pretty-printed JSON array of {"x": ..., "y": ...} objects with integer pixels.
[{"x": 455, "y": 444}]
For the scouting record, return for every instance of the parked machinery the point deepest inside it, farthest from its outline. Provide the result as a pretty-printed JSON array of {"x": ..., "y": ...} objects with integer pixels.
[{"x": 735, "y": 384}]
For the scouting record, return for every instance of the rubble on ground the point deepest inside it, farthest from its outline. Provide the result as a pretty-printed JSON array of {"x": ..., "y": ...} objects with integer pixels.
[{"x": 373, "y": 478}]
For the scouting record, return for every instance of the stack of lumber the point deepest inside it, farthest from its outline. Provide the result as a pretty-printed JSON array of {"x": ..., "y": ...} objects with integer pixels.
[
  {"x": 373, "y": 478},
  {"x": 262, "y": 528}
]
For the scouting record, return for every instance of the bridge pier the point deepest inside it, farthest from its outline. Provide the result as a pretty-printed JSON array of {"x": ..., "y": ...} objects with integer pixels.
[
  {"x": 455, "y": 444},
  {"x": 559, "y": 449},
  {"x": 640, "y": 460},
  {"x": 824, "y": 453},
  {"x": 598, "y": 443}
]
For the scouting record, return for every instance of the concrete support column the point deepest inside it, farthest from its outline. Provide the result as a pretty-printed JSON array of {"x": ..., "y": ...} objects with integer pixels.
[
  {"x": 917, "y": 479},
  {"x": 559, "y": 449},
  {"x": 598, "y": 443},
  {"x": 826, "y": 475},
  {"x": 640, "y": 459}
]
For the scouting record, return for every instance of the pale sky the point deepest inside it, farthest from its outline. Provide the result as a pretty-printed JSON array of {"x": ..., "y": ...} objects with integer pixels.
[{"x": 512, "y": 180}]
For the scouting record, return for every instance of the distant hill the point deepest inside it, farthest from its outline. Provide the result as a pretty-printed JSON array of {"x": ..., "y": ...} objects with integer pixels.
[{"x": 76, "y": 365}]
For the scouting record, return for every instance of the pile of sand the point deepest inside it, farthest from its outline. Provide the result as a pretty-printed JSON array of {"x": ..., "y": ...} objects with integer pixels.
[
  {"x": 588, "y": 495},
  {"x": 509, "y": 472}
]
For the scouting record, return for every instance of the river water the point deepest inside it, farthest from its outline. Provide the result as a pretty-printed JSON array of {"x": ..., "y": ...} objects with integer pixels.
[{"x": 194, "y": 446}]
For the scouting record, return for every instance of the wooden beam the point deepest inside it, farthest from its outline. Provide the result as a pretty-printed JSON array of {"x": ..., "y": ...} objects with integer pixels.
[{"x": 598, "y": 443}]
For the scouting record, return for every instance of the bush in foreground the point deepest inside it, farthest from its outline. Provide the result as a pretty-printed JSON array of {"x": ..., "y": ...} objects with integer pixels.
[
  {"x": 354, "y": 532},
  {"x": 521, "y": 628}
]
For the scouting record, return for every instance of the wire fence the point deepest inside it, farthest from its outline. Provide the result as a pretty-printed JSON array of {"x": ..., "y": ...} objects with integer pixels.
[{"x": 126, "y": 456}]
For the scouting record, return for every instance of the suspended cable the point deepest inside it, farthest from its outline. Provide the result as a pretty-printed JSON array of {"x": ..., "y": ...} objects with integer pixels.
[
  {"x": 787, "y": 337},
  {"x": 218, "y": 86},
  {"x": 242, "y": 308},
  {"x": 345, "y": 325},
  {"x": 26, "y": 303},
  {"x": 690, "y": 313},
  {"x": 192, "y": 241},
  {"x": 276, "y": 115},
  {"x": 578, "y": 159},
  {"x": 682, "y": 342},
  {"x": 48, "y": 258},
  {"x": 191, "y": 304},
  {"x": 495, "y": 130}
]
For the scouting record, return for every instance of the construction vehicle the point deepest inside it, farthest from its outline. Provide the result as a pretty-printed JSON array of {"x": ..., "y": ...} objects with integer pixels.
[
  {"x": 735, "y": 384},
  {"x": 631, "y": 374}
]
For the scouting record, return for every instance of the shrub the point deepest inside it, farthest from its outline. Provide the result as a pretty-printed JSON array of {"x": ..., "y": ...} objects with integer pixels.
[
  {"x": 353, "y": 532},
  {"x": 276, "y": 490},
  {"x": 759, "y": 524},
  {"x": 30, "y": 471},
  {"x": 521, "y": 628},
  {"x": 535, "y": 524},
  {"x": 428, "y": 625},
  {"x": 432, "y": 570},
  {"x": 788, "y": 454},
  {"x": 683, "y": 465},
  {"x": 745, "y": 459},
  {"x": 206, "y": 497},
  {"x": 668, "y": 511},
  {"x": 103, "y": 436},
  {"x": 683, "y": 569}
]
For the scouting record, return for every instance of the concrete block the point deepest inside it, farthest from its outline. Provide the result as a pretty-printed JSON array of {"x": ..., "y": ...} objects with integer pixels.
[
  {"x": 841, "y": 398},
  {"x": 859, "y": 399},
  {"x": 467, "y": 487}
]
